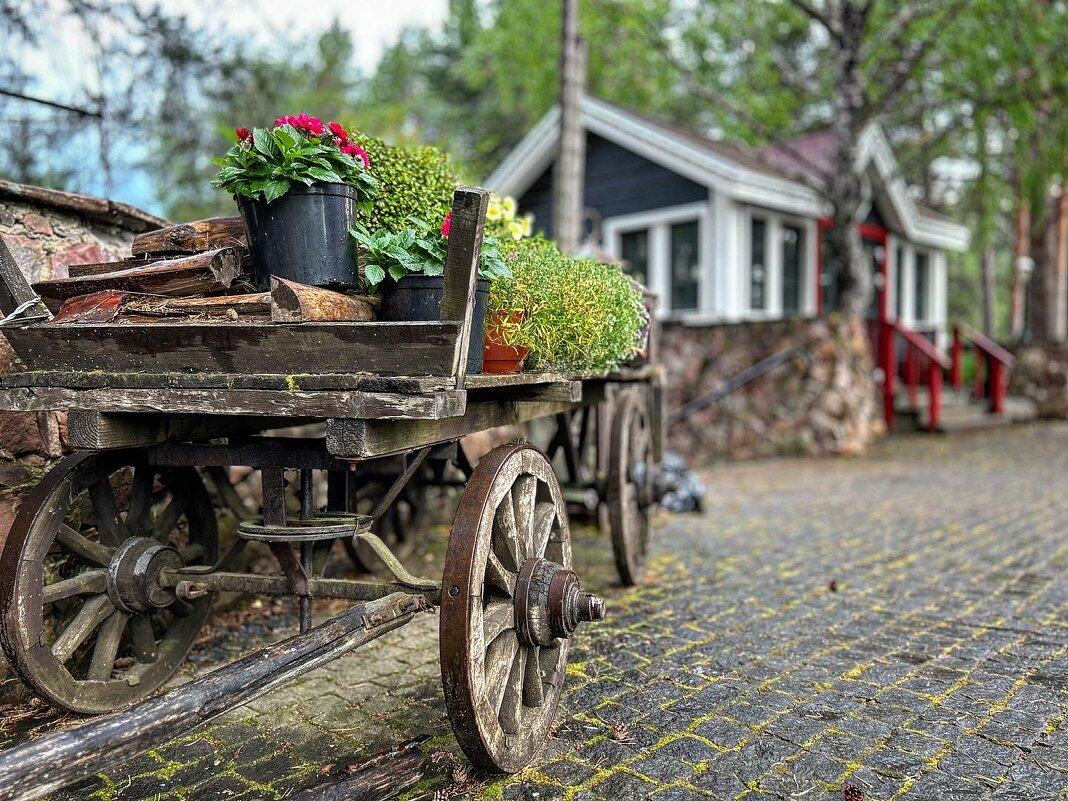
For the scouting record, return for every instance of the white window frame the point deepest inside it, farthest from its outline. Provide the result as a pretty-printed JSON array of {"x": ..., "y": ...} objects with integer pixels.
[
  {"x": 928, "y": 293},
  {"x": 658, "y": 223},
  {"x": 774, "y": 268}
]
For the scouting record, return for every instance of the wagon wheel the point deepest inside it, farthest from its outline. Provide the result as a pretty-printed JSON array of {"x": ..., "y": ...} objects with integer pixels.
[
  {"x": 509, "y": 606},
  {"x": 396, "y": 527},
  {"x": 85, "y": 621},
  {"x": 630, "y": 484}
]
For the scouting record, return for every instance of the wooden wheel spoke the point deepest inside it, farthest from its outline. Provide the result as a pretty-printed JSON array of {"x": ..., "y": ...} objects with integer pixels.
[
  {"x": 111, "y": 527},
  {"x": 499, "y": 577},
  {"x": 84, "y": 549},
  {"x": 91, "y": 615},
  {"x": 497, "y": 618},
  {"x": 500, "y": 653},
  {"x": 137, "y": 517},
  {"x": 544, "y": 518},
  {"x": 107, "y": 646},
  {"x": 91, "y": 582},
  {"x": 143, "y": 638},
  {"x": 510, "y": 715},
  {"x": 533, "y": 692},
  {"x": 524, "y": 496},
  {"x": 168, "y": 519},
  {"x": 506, "y": 535}
]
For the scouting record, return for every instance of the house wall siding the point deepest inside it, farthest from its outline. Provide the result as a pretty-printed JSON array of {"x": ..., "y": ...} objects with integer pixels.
[{"x": 618, "y": 182}]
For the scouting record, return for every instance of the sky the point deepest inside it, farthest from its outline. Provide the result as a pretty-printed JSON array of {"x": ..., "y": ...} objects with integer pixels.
[{"x": 373, "y": 24}]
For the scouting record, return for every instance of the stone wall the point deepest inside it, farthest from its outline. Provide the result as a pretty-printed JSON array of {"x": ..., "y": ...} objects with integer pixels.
[
  {"x": 823, "y": 408},
  {"x": 1041, "y": 374},
  {"x": 46, "y": 232}
]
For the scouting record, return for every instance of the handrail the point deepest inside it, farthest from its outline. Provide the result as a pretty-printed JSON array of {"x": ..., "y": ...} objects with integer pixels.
[
  {"x": 992, "y": 369},
  {"x": 738, "y": 381},
  {"x": 917, "y": 347}
]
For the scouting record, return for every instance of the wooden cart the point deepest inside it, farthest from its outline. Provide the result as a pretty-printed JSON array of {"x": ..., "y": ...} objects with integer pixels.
[{"x": 109, "y": 569}]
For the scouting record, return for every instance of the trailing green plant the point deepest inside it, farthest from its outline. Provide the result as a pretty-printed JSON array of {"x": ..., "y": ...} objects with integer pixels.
[
  {"x": 580, "y": 316},
  {"x": 419, "y": 249},
  {"x": 416, "y": 182},
  {"x": 265, "y": 163}
]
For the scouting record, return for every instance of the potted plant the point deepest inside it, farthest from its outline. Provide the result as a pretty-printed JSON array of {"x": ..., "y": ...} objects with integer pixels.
[
  {"x": 299, "y": 185},
  {"x": 407, "y": 268}
]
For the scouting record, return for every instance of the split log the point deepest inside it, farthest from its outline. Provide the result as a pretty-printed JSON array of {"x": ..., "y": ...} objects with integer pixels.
[
  {"x": 40, "y": 766},
  {"x": 200, "y": 274},
  {"x": 116, "y": 306},
  {"x": 381, "y": 776},
  {"x": 101, "y": 268},
  {"x": 192, "y": 237},
  {"x": 297, "y": 303}
]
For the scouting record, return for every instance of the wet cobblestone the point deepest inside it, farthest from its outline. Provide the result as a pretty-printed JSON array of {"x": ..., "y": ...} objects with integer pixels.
[{"x": 895, "y": 622}]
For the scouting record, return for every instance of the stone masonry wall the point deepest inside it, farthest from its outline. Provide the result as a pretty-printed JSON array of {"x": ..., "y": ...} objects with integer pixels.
[
  {"x": 1041, "y": 374},
  {"x": 825, "y": 408}
]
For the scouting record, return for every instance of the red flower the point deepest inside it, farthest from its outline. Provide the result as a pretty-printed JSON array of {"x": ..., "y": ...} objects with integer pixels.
[
  {"x": 243, "y": 134},
  {"x": 446, "y": 225},
  {"x": 352, "y": 149},
  {"x": 312, "y": 126},
  {"x": 338, "y": 131}
]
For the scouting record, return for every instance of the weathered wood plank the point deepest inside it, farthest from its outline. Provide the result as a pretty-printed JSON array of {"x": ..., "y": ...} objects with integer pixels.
[
  {"x": 89, "y": 430},
  {"x": 379, "y": 777},
  {"x": 297, "y": 303},
  {"x": 247, "y": 402},
  {"x": 14, "y": 288},
  {"x": 116, "y": 305},
  {"x": 385, "y": 348},
  {"x": 308, "y": 382},
  {"x": 212, "y": 271},
  {"x": 40, "y": 766},
  {"x": 364, "y": 438},
  {"x": 192, "y": 237},
  {"x": 563, "y": 391},
  {"x": 461, "y": 268},
  {"x": 84, "y": 270}
]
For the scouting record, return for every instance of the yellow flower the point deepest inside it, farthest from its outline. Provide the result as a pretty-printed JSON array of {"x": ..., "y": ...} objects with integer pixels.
[
  {"x": 527, "y": 221},
  {"x": 493, "y": 211},
  {"x": 508, "y": 206},
  {"x": 515, "y": 228}
]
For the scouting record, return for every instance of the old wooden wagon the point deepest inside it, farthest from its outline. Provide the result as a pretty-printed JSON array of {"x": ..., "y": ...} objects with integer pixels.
[{"x": 109, "y": 569}]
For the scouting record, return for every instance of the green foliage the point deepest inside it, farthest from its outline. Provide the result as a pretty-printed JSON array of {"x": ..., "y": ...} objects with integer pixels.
[
  {"x": 580, "y": 316},
  {"x": 419, "y": 249},
  {"x": 268, "y": 163},
  {"x": 416, "y": 182}
]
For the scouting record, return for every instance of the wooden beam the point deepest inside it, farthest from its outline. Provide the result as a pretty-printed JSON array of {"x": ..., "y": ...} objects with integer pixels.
[
  {"x": 382, "y": 776},
  {"x": 241, "y": 402},
  {"x": 461, "y": 269},
  {"x": 89, "y": 430},
  {"x": 296, "y": 303},
  {"x": 419, "y": 349},
  {"x": 212, "y": 271},
  {"x": 43, "y": 765},
  {"x": 352, "y": 439},
  {"x": 556, "y": 391},
  {"x": 193, "y": 237}
]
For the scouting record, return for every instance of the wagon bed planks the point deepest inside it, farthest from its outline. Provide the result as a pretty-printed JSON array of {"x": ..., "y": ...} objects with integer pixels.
[{"x": 217, "y": 347}]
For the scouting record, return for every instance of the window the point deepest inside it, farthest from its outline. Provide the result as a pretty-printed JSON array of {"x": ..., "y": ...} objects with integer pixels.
[
  {"x": 793, "y": 262},
  {"x": 758, "y": 271},
  {"x": 899, "y": 283},
  {"x": 685, "y": 265},
  {"x": 920, "y": 309},
  {"x": 634, "y": 251}
]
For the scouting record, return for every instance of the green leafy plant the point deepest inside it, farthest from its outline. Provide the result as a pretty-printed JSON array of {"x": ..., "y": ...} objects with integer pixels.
[
  {"x": 266, "y": 163},
  {"x": 419, "y": 249},
  {"x": 417, "y": 182},
  {"x": 579, "y": 316}
]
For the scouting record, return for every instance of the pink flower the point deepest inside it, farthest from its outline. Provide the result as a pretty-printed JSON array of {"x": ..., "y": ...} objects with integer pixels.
[
  {"x": 338, "y": 131},
  {"x": 446, "y": 225},
  {"x": 312, "y": 126},
  {"x": 352, "y": 149},
  {"x": 243, "y": 134}
]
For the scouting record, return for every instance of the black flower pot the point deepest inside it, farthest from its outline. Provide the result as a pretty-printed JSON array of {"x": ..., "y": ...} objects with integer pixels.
[
  {"x": 418, "y": 298},
  {"x": 303, "y": 236}
]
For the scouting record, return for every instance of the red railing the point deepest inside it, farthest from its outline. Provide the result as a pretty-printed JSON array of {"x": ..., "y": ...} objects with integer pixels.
[
  {"x": 920, "y": 355},
  {"x": 992, "y": 365}
]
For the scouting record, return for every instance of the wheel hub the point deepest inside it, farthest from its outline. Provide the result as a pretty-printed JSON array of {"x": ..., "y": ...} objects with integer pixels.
[
  {"x": 549, "y": 603},
  {"x": 134, "y": 575}
]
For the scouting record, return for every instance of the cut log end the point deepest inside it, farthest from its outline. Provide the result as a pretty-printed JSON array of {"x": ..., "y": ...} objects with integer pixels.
[{"x": 297, "y": 303}]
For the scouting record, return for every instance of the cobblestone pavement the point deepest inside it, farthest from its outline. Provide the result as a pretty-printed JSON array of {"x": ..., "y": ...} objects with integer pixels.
[{"x": 895, "y": 623}]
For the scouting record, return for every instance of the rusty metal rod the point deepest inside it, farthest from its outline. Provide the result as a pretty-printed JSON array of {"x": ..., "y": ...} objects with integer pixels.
[
  {"x": 344, "y": 589},
  {"x": 41, "y": 766}
]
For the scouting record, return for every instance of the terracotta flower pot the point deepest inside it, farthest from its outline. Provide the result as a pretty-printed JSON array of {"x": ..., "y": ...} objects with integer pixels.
[{"x": 496, "y": 356}]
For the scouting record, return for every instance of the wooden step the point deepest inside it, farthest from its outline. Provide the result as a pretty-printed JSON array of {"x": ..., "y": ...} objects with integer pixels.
[{"x": 956, "y": 416}]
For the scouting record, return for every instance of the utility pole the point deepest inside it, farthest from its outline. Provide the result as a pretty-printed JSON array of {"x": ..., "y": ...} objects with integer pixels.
[{"x": 569, "y": 172}]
